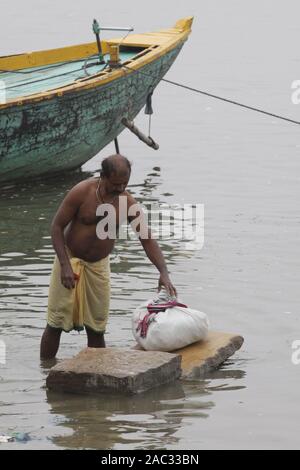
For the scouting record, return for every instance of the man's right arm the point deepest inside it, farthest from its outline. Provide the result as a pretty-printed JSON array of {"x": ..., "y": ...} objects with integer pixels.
[{"x": 62, "y": 218}]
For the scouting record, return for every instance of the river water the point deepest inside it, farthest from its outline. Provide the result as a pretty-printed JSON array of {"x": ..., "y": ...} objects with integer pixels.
[{"x": 244, "y": 167}]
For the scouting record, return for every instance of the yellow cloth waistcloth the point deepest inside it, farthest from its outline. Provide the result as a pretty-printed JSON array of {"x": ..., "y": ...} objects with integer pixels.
[{"x": 85, "y": 305}]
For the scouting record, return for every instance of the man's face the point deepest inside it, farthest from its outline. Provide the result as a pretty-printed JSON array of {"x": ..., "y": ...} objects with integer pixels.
[{"x": 116, "y": 184}]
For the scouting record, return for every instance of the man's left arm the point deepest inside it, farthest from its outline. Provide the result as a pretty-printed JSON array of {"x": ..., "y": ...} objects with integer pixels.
[
  {"x": 137, "y": 219},
  {"x": 156, "y": 257}
]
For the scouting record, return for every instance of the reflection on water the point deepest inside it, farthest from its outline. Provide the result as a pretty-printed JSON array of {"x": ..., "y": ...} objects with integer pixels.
[
  {"x": 151, "y": 420},
  {"x": 107, "y": 421}
]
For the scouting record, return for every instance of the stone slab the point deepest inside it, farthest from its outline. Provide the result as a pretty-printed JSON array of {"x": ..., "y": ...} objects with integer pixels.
[
  {"x": 114, "y": 369},
  {"x": 199, "y": 358}
]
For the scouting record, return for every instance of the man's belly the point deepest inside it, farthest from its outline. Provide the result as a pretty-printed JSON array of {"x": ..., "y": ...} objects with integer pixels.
[{"x": 83, "y": 242}]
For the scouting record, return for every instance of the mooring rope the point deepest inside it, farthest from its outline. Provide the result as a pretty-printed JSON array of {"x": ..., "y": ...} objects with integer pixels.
[{"x": 196, "y": 90}]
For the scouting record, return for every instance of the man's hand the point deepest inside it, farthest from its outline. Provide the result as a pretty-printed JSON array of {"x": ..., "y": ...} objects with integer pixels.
[
  {"x": 165, "y": 281},
  {"x": 68, "y": 277}
]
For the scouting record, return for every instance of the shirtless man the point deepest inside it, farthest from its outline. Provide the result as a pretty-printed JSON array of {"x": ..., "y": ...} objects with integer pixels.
[{"x": 73, "y": 233}]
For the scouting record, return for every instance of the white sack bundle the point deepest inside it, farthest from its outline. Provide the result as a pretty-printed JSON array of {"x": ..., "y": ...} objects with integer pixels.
[{"x": 174, "y": 328}]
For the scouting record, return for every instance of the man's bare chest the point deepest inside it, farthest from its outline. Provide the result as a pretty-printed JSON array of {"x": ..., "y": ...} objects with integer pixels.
[{"x": 92, "y": 212}]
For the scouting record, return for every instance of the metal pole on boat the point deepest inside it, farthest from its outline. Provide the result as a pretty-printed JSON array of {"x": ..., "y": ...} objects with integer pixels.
[
  {"x": 117, "y": 146},
  {"x": 96, "y": 30},
  {"x": 132, "y": 127},
  {"x": 114, "y": 28}
]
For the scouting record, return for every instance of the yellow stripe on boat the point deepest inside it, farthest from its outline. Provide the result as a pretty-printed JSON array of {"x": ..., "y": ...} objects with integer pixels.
[{"x": 162, "y": 41}]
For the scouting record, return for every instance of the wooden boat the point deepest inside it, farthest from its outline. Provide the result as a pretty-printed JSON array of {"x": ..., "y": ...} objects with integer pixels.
[{"x": 58, "y": 108}]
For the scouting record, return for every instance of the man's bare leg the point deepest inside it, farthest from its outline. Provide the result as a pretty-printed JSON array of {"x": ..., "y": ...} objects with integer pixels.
[
  {"x": 50, "y": 342},
  {"x": 95, "y": 340}
]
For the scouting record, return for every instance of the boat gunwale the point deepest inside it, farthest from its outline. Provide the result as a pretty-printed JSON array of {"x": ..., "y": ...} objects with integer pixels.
[{"x": 175, "y": 36}]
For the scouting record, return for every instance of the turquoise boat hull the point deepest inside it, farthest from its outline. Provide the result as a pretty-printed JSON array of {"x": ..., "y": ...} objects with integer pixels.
[{"x": 61, "y": 133}]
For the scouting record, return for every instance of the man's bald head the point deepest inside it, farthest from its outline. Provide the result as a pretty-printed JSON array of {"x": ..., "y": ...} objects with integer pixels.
[{"x": 116, "y": 165}]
